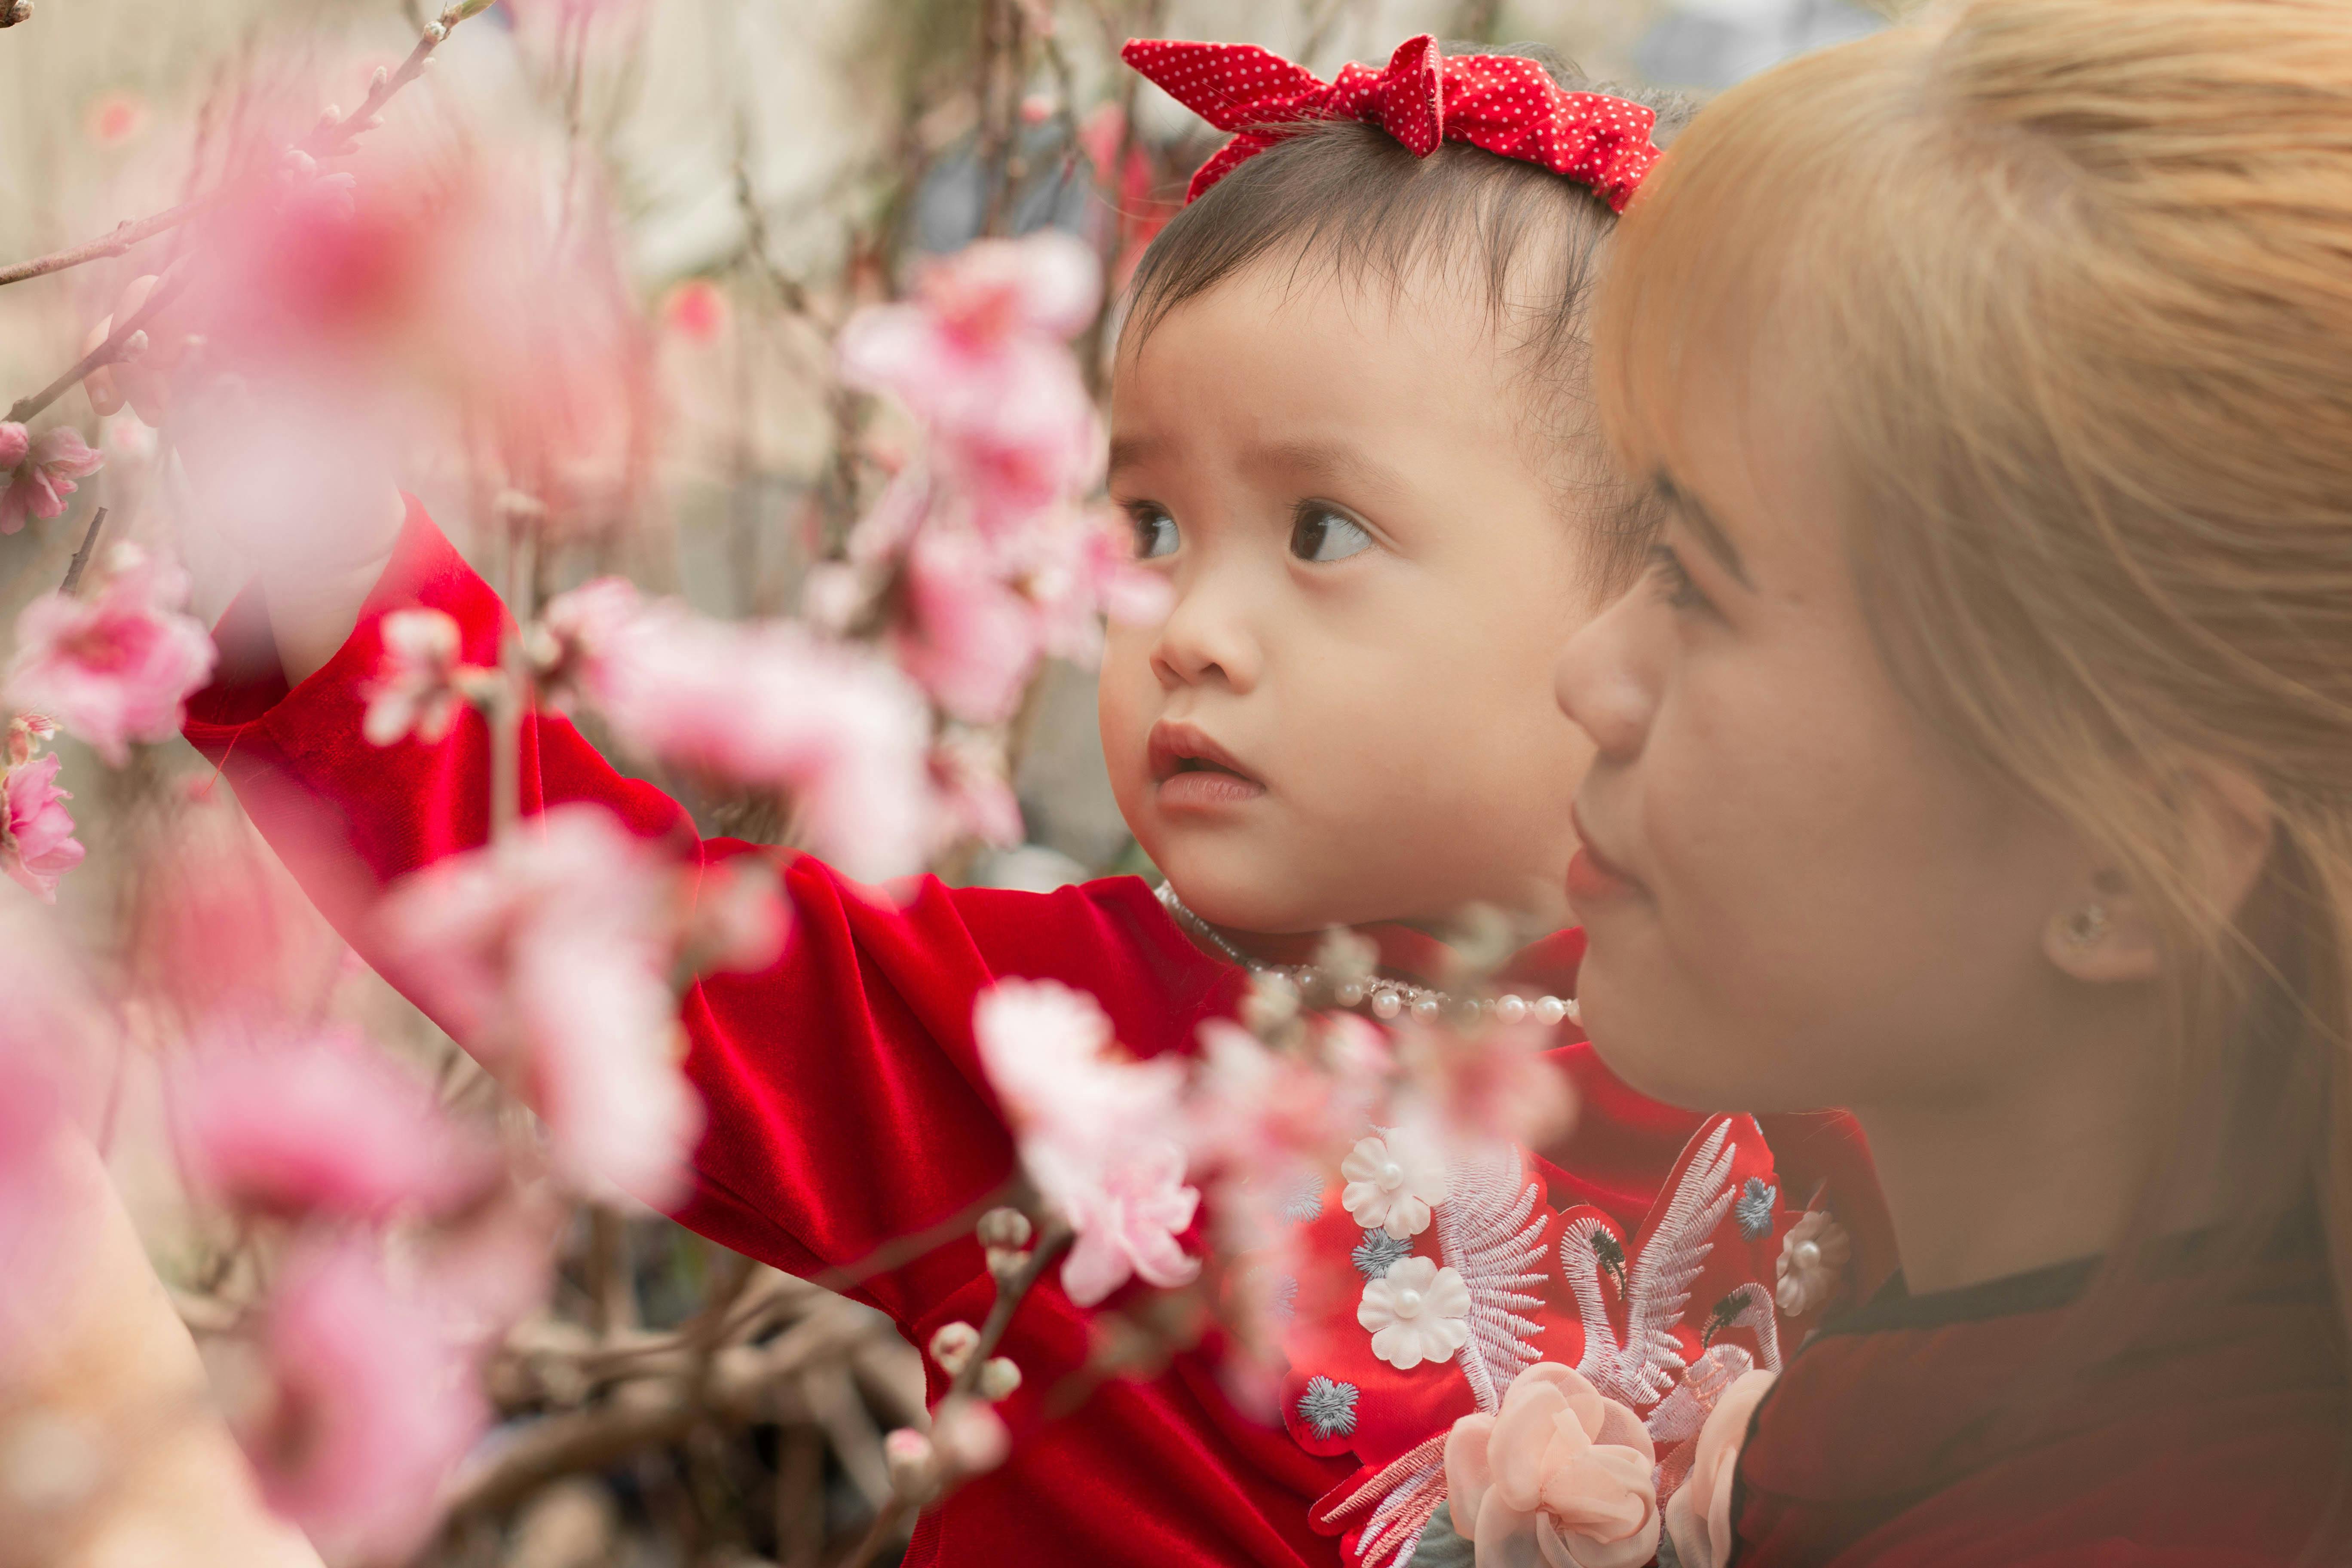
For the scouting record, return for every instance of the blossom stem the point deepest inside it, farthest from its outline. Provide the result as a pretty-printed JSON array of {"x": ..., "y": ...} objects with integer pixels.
[
  {"x": 106, "y": 353},
  {"x": 513, "y": 702},
  {"x": 331, "y": 139},
  {"x": 1010, "y": 1293},
  {"x": 81, "y": 557}
]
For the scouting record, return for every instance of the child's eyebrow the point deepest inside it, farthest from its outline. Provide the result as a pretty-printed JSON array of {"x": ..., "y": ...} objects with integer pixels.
[
  {"x": 1126, "y": 450},
  {"x": 1701, "y": 522},
  {"x": 1327, "y": 461}
]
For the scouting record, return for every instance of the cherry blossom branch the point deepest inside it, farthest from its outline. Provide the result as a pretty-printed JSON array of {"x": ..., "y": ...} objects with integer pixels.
[
  {"x": 1010, "y": 1293},
  {"x": 126, "y": 342},
  {"x": 116, "y": 241},
  {"x": 81, "y": 557},
  {"x": 333, "y": 136},
  {"x": 906, "y": 1248}
]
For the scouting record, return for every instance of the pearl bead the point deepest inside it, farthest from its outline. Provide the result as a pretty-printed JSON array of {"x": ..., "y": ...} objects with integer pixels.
[
  {"x": 1408, "y": 1302},
  {"x": 1391, "y": 1176},
  {"x": 1510, "y": 1009},
  {"x": 1550, "y": 1010},
  {"x": 1424, "y": 1010},
  {"x": 1349, "y": 993},
  {"x": 1387, "y": 1004},
  {"x": 1806, "y": 1254}
]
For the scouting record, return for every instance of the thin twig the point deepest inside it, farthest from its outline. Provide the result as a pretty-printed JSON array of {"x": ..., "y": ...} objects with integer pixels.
[
  {"x": 122, "y": 236},
  {"x": 332, "y": 138},
  {"x": 81, "y": 557},
  {"x": 1009, "y": 1294},
  {"x": 106, "y": 353},
  {"x": 906, "y": 1248}
]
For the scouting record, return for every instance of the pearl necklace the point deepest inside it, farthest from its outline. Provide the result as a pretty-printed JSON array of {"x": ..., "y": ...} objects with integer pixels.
[{"x": 1386, "y": 998}]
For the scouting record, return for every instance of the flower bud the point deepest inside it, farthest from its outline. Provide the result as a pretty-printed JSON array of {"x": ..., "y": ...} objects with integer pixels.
[
  {"x": 1004, "y": 1262},
  {"x": 969, "y": 1437},
  {"x": 1004, "y": 1228},
  {"x": 952, "y": 1346},
  {"x": 132, "y": 347},
  {"x": 914, "y": 1468},
  {"x": 998, "y": 1378}
]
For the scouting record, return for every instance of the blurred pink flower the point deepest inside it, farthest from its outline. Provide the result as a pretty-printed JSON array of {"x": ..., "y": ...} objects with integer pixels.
[
  {"x": 38, "y": 845},
  {"x": 369, "y": 1405},
  {"x": 975, "y": 797},
  {"x": 765, "y": 705},
  {"x": 320, "y": 1125},
  {"x": 548, "y": 955},
  {"x": 737, "y": 917},
  {"x": 118, "y": 666},
  {"x": 968, "y": 636},
  {"x": 1097, "y": 1133},
  {"x": 576, "y": 630},
  {"x": 1128, "y": 1215},
  {"x": 968, "y": 1437},
  {"x": 417, "y": 686},
  {"x": 28, "y": 733},
  {"x": 696, "y": 310},
  {"x": 1558, "y": 1474},
  {"x": 1699, "y": 1516},
  {"x": 1491, "y": 1084},
  {"x": 979, "y": 357},
  {"x": 115, "y": 118},
  {"x": 42, "y": 471}
]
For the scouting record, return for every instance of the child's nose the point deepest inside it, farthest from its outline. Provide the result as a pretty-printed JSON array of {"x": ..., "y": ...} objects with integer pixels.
[
  {"x": 1204, "y": 639},
  {"x": 1603, "y": 685}
]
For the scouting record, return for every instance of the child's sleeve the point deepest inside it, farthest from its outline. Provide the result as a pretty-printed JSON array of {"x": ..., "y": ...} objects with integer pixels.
[{"x": 845, "y": 1103}]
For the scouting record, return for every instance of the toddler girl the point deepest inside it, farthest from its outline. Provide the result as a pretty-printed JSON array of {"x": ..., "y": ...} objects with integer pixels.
[
  {"x": 1995, "y": 376},
  {"x": 1347, "y": 423}
]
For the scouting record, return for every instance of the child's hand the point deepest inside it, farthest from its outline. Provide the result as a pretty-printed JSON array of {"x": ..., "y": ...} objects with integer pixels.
[
  {"x": 292, "y": 469},
  {"x": 144, "y": 381}
]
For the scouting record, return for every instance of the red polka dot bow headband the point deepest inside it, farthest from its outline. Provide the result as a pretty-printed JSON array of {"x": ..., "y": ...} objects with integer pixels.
[{"x": 1504, "y": 104}]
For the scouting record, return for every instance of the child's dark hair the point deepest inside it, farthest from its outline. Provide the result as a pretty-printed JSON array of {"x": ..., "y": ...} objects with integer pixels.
[{"x": 1347, "y": 195}]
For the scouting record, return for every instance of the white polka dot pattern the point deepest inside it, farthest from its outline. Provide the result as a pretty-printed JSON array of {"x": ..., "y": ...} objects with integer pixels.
[{"x": 1504, "y": 104}]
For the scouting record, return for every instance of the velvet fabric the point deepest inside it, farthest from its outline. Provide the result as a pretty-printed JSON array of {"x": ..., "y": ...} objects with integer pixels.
[
  {"x": 1939, "y": 1429},
  {"x": 846, "y": 1105}
]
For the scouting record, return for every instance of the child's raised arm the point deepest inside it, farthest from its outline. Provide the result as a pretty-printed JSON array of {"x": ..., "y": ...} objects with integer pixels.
[{"x": 845, "y": 1102}]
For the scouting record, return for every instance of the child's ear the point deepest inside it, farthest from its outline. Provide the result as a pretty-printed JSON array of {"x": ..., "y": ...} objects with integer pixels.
[{"x": 2102, "y": 932}]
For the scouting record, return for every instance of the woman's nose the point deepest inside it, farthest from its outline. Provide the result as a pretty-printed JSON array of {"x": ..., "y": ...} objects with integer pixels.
[{"x": 1603, "y": 684}]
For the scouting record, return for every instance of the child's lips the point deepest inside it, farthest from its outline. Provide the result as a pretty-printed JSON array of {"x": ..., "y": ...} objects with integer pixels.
[{"x": 1189, "y": 768}]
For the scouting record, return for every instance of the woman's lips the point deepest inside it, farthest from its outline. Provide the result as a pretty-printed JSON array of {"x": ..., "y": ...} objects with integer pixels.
[{"x": 1593, "y": 880}]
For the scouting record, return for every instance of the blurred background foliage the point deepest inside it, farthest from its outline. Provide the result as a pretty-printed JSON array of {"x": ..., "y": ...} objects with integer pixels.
[{"x": 769, "y": 164}]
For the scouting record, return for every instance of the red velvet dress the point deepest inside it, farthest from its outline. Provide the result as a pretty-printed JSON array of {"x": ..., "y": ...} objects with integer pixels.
[
  {"x": 2222, "y": 1438},
  {"x": 847, "y": 1106}
]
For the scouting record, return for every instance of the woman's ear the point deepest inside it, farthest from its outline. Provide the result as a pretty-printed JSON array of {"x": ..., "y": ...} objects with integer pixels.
[{"x": 2102, "y": 932}]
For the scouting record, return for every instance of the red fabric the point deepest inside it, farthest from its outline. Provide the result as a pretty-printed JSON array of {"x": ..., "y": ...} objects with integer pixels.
[
  {"x": 845, "y": 1101},
  {"x": 2219, "y": 1439},
  {"x": 1501, "y": 103}
]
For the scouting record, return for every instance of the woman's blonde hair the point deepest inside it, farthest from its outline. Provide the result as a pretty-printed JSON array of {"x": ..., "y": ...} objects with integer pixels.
[{"x": 2070, "y": 283}]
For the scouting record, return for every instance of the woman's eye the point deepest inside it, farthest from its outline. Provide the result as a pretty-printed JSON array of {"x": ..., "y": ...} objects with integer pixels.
[
  {"x": 1155, "y": 532},
  {"x": 1674, "y": 579},
  {"x": 1320, "y": 533}
]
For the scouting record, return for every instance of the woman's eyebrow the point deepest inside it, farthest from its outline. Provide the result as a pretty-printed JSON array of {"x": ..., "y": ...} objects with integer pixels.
[{"x": 1701, "y": 522}]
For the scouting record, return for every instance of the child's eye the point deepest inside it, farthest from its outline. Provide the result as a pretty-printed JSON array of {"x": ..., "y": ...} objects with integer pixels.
[
  {"x": 1674, "y": 579},
  {"x": 1155, "y": 531},
  {"x": 1321, "y": 532}
]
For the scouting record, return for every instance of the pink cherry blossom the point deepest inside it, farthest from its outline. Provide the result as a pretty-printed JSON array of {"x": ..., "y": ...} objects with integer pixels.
[
  {"x": 968, "y": 636},
  {"x": 765, "y": 705},
  {"x": 1097, "y": 1133},
  {"x": 368, "y": 1406},
  {"x": 326, "y": 1124},
  {"x": 978, "y": 357},
  {"x": 968, "y": 1438},
  {"x": 1128, "y": 1214},
  {"x": 569, "y": 646},
  {"x": 37, "y": 845},
  {"x": 27, "y": 733},
  {"x": 975, "y": 797},
  {"x": 118, "y": 666},
  {"x": 418, "y": 689},
  {"x": 39, "y": 472},
  {"x": 1558, "y": 1474},
  {"x": 548, "y": 955},
  {"x": 1699, "y": 1516}
]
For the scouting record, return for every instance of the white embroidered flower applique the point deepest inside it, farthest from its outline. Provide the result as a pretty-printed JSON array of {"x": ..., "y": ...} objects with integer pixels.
[
  {"x": 1417, "y": 1311},
  {"x": 1811, "y": 1269},
  {"x": 1393, "y": 1179}
]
